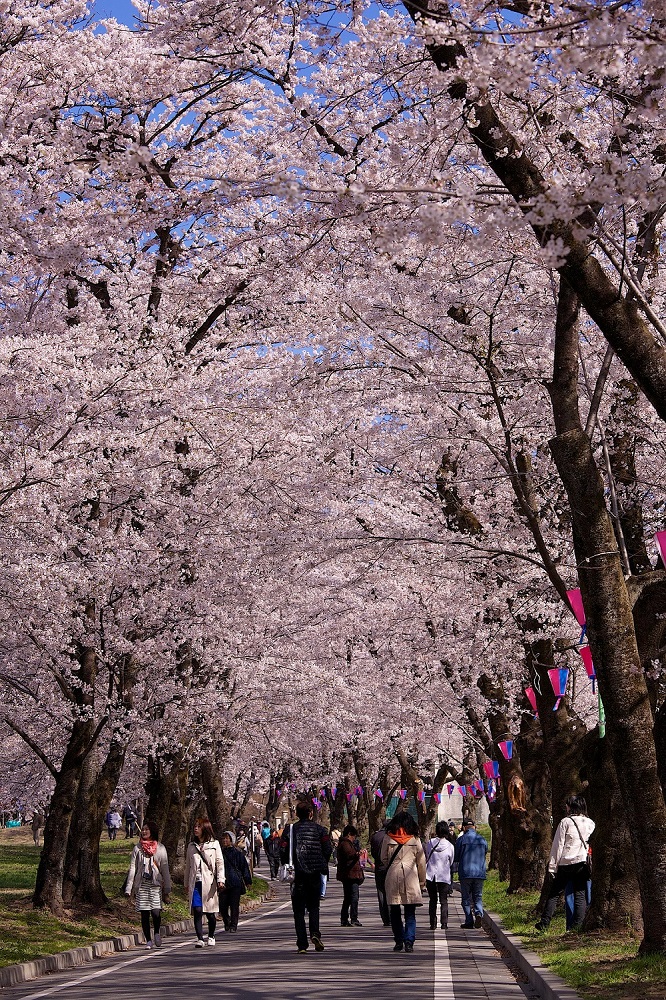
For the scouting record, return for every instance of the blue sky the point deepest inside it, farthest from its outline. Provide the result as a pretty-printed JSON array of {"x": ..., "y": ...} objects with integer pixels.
[{"x": 122, "y": 10}]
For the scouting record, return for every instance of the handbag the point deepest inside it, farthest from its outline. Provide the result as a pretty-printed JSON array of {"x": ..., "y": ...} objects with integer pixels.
[{"x": 287, "y": 872}]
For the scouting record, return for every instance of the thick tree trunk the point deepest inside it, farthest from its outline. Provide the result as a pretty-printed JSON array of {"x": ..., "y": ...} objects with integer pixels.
[
  {"x": 81, "y": 877},
  {"x": 616, "y": 901},
  {"x": 610, "y": 630},
  {"x": 524, "y": 827},
  {"x": 48, "y": 885},
  {"x": 219, "y": 811}
]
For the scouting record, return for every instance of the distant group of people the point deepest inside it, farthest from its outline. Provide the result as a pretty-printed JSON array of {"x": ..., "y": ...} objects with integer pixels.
[
  {"x": 114, "y": 821},
  {"x": 217, "y": 873}
]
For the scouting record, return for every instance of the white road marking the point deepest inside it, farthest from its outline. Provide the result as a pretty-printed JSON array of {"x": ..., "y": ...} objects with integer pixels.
[
  {"x": 153, "y": 953},
  {"x": 443, "y": 975}
]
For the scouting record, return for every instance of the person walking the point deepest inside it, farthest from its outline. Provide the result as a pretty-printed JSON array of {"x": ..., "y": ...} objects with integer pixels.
[
  {"x": 237, "y": 881},
  {"x": 272, "y": 849},
  {"x": 149, "y": 881},
  {"x": 376, "y": 842},
  {"x": 351, "y": 874},
  {"x": 470, "y": 854},
  {"x": 113, "y": 823},
  {"x": 439, "y": 858},
  {"x": 404, "y": 860},
  {"x": 37, "y": 826},
  {"x": 309, "y": 846},
  {"x": 204, "y": 878},
  {"x": 568, "y": 861},
  {"x": 129, "y": 817}
]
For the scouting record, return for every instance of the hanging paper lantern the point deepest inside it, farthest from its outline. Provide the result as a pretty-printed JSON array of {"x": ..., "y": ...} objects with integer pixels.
[
  {"x": 279, "y": 793},
  {"x": 462, "y": 789},
  {"x": 488, "y": 768},
  {"x": 449, "y": 789},
  {"x": 495, "y": 764},
  {"x": 316, "y": 803},
  {"x": 379, "y": 793},
  {"x": 358, "y": 790},
  {"x": 531, "y": 697},
  {"x": 506, "y": 746},
  {"x": 349, "y": 796},
  {"x": 586, "y": 656},
  {"x": 334, "y": 791},
  {"x": 576, "y": 602},
  {"x": 660, "y": 539},
  {"x": 558, "y": 678},
  {"x": 437, "y": 797},
  {"x": 403, "y": 793},
  {"x": 420, "y": 795}
]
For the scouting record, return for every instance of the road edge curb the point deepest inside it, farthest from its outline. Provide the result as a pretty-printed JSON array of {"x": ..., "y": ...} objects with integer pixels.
[
  {"x": 23, "y": 972},
  {"x": 548, "y": 985}
]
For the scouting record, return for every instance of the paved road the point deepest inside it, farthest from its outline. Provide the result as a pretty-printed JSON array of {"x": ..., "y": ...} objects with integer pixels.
[{"x": 260, "y": 963}]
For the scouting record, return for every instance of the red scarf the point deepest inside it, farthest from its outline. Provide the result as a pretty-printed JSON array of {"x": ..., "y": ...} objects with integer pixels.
[{"x": 148, "y": 847}]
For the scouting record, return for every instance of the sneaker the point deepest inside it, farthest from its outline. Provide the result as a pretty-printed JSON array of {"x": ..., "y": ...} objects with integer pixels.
[
  {"x": 398, "y": 947},
  {"x": 356, "y": 923},
  {"x": 211, "y": 942},
  {"x": 540, "y": 926},
  {"x": 149, "y": 945},
  {"x": 467, "y": 927},
  {"x": 409, "y": 946},
  {"x": 199, "y": 943},
  {"x": 302, "y": 951},
  {"x": 478, "y": 921},
  {"x": 317, "y": 942},
  {"x": 345, "y": 923},
  {"x": 158, "y": 940},
  {"x": 433, "y": 927}
]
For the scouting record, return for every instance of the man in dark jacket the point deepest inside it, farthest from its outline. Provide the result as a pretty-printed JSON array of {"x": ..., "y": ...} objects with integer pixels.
[
  {"x": 380, "y": 873},
  {"x": 470, "y": 853},
  {"x": 311, "y": 852}
]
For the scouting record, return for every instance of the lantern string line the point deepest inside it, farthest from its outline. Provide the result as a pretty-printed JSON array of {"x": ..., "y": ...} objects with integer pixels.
[{"x": 596, "y": 555}]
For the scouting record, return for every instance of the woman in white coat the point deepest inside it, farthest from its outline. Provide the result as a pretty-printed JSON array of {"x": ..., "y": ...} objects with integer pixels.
[
  {"x": 404, "y": 862},
  {"x": 204, "y": 877}
]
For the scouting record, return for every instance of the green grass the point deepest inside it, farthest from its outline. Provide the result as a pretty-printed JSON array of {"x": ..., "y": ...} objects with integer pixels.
[
  {"x": 26, "y": 933},
  {"x": 599, "y": 965}
]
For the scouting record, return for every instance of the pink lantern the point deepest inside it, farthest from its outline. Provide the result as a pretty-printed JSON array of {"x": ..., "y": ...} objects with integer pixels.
[
  {"x": 660, "y": 539},
  {"x": 462, "y": 789},
  {"x": 489, "y": 769},
  {"x": 437, "y": 797},
  {"x": 576, "y": 602},
  {"x": 559, "y": 677},
  {"x": 586, "y": 656},
  {"x": 506, "y": 746},
  {"x": 379, "y": 793},
  {"x": 449, "y": 789},
  {"x": 421, "y": 795},
  {"x": 531, "y": 697}
]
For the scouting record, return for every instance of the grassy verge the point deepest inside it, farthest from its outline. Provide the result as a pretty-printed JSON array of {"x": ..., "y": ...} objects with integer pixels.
[
  {"x": 599, "y": 965},
  {"x": 26, "y": 933}
]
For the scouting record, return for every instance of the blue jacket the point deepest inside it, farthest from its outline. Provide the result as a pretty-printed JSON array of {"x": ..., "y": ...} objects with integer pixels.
[{"x": 470, "y": 853}]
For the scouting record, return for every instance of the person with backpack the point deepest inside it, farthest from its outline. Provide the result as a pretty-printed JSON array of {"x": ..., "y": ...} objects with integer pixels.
[
  {"x": 307, "y": 846},
  {"x": 439, "y": 858},
  {"x": 204, "y": 878},
  {"x": 238, "y": 880},
  {"x": 404, "y": 862},
  {"x": 351, "y": 874}
]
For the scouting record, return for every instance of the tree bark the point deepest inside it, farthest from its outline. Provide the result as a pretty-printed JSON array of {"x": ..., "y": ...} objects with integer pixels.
[
  {"x": 610, "y": 629},
  {"x": 219, "y": 811}
]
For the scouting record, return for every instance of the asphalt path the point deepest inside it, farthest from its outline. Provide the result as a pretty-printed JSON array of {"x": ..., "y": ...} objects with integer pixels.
[{"x": 260, "y": 962}]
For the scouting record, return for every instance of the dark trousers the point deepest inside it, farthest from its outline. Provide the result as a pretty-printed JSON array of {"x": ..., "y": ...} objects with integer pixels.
[
  {"x": 408, "y": 931},
  {"x": 349, "y": 909},
  {"x": 197, "y": 913},
  {"x": 576, "y": 874},
  {"x": 145, "y": 922},
  {"x": 471, "y": 890},
  {"x": 438, "y": 891},
  {"x": 381, "y": 900},
  {"x": 230, "y": 908},
  {"x": 306, "y": 895},
  {"x": 273, "y": 864}
]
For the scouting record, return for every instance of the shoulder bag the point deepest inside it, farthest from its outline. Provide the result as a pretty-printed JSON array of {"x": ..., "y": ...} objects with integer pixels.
[{"x": 287, "y": 872}]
